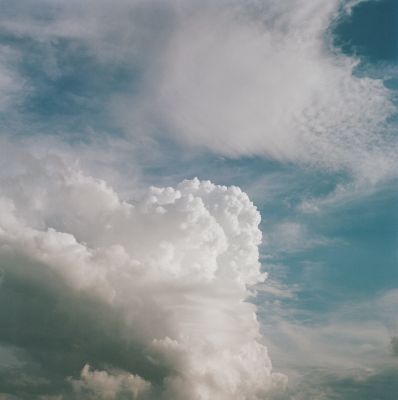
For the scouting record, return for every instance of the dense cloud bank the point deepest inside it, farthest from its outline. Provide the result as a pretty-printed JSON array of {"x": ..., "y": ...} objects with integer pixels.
[{"x": 102, "y": 298}]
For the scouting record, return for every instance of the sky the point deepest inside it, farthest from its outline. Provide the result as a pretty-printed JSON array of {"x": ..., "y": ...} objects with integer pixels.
[{"x": 198, "y": 200}]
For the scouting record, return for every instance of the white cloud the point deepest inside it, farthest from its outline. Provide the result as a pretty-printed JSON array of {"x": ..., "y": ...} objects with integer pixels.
[
  {"x": 8, "y": 358},
  {"x": 167, "y": 277},
  {"x": 290, "y": 236},
  {"x": 102, "y": 385},
  {"x": 236, "y": 78},
  {"x": 351, "y": 342},
  {"x": 11, "y": 83},
  {"x": 272, "y": 85}
]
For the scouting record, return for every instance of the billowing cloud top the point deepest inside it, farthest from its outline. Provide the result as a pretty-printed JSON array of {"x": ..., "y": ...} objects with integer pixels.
[{"x": 145, "y": 299}]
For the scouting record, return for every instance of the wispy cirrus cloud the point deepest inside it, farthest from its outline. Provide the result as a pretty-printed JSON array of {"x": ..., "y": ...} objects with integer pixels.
[
  {"x": 346, "y": 351},
  {"x": 274, "y": 86},
  {"x": 260, "y": 78},
  {"x": 290, "y": 236}
]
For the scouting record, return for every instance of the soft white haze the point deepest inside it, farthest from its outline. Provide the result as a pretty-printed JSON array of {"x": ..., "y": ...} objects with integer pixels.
[
  {"x": 273, "y": 85},
  {"x": 252, "y": 78}
]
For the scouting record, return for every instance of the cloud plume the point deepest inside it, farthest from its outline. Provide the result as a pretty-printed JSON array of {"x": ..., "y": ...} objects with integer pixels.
[
  {"x": 145, "y": 299},
  {"x": 274, "y": 85}
]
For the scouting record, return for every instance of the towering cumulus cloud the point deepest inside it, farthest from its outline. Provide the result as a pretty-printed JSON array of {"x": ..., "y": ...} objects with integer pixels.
[{"x": 106, "y": 299}]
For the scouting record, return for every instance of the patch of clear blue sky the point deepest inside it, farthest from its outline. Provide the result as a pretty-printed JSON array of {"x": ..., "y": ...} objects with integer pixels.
[
  {"x": 67, "y": 87},
  {"x": 370, "y": 32}
]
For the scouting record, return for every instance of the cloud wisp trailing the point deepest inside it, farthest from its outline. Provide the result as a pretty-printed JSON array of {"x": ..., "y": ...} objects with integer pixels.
[
  {"x": 347, "y": 353},
  {"x": 259, "y": 78},
  {"x": 273, "y": 85},
  {"x": 144, "y": 299}
]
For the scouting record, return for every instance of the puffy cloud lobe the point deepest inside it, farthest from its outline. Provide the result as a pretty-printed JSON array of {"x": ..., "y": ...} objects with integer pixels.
[
  {"x": 102, "y": 385},
  {"x": 160, "y": 283}
]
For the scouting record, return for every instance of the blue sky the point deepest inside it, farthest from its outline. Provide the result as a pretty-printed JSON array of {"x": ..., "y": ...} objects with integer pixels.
[{"x": 295, "y": 103}]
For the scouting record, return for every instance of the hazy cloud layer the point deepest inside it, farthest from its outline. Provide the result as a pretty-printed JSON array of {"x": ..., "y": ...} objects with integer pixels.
[
  {"x": 346, "y": 352},
  {"x": 236, "y": 78},
  {"x": 11, "y": 84},
  {"x": 273, "y": 85},
  {"x": 394, "y": 345}
]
